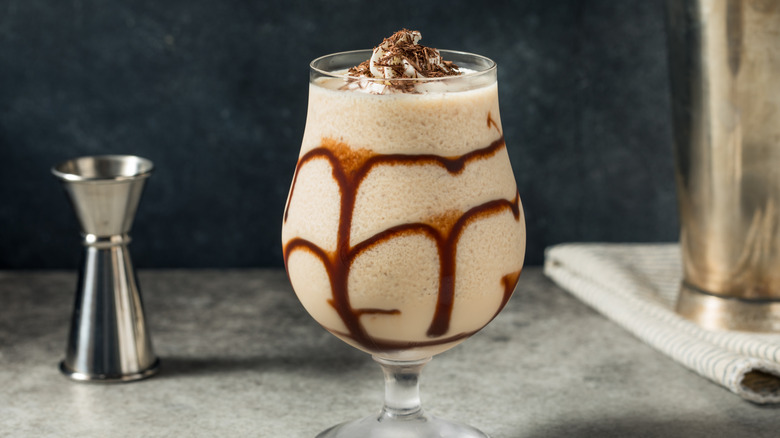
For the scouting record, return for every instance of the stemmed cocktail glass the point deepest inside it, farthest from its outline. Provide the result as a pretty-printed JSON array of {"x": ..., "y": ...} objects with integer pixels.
[{"x": 403, "y": 233}]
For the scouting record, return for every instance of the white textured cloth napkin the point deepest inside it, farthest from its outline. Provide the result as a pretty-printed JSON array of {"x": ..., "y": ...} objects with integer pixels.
[{"x": 636, "y": 286}]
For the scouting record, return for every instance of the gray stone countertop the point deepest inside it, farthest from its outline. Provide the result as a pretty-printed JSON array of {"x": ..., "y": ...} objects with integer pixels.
[{"x": 240, "y": 357}]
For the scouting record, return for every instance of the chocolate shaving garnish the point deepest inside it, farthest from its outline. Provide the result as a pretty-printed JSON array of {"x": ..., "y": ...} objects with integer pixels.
[
  {"x": 360, "y": 70},
  {"x": 398, "y": 59}
]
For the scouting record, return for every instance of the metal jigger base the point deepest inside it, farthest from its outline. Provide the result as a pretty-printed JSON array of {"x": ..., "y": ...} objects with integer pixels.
[
  {"x": 109, "y": 378},
  {"x": 716, "y": 312}
]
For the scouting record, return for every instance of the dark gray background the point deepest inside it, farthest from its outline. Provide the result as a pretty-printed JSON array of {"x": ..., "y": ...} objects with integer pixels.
[{"x": 214, "y": 92}]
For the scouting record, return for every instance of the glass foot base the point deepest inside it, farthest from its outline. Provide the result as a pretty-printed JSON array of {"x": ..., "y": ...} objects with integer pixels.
[{"x": 420, "y": 426}]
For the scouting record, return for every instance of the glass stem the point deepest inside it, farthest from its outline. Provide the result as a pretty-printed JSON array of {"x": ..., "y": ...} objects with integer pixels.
[{"x": 402, "y": 388}]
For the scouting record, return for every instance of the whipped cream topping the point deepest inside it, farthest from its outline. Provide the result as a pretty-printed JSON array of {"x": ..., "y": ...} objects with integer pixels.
[
  {"x": 383, "y": 60},
  {"x": 401, "y": 56}
]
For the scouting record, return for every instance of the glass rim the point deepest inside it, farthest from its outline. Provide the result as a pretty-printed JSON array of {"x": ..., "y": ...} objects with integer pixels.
[{"x": 491, "y": 67}]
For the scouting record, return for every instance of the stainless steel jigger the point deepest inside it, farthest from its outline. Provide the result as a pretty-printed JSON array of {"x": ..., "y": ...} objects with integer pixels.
[{"x": 108, "y": 341}]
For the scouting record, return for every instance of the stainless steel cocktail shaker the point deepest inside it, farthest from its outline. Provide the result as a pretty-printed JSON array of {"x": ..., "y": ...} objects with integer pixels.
[
  {"x": 108, "y": 341},
  {"x": 724, "y": 58}
]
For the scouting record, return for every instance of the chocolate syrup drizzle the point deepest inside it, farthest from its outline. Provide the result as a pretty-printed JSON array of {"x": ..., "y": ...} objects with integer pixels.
[{"x": 350, "y": 167}]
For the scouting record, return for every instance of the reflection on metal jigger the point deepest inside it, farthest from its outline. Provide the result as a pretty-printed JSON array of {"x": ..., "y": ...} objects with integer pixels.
[
  {"x": 724, "y": 61},
  {"x": 108, "y": 341}
]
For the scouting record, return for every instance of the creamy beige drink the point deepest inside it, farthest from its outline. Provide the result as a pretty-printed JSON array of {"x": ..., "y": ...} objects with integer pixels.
[{"x": 404, "y": 233}]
